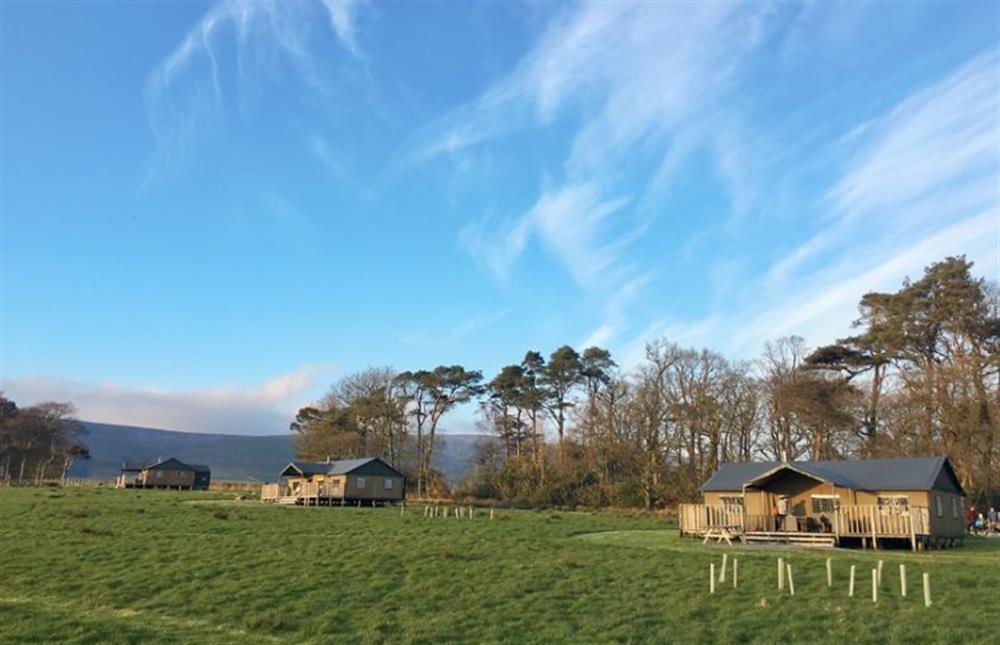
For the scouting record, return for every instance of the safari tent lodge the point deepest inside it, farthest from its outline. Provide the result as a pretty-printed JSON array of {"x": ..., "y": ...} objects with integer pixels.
[
  {"x": 915, "y": 502},
  {"x": 164, "y": 473},
  {"x": 368, "y": 481}
]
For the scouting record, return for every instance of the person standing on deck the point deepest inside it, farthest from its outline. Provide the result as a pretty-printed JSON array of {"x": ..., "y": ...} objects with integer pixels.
[
  {"x": 970, "y": 519},
  {"x": 991, "y": 520},
  {"x": 780, "y": 511}
]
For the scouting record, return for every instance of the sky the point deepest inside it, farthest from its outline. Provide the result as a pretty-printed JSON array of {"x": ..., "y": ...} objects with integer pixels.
[{"x": 211, "y": 211}]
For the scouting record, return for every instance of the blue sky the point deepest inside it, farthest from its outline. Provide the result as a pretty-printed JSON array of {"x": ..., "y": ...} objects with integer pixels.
[{"x": 210, "y": 210}]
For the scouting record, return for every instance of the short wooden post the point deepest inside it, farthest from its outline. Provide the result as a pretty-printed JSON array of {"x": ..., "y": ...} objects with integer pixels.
[
  {"x": 446, "y": 512},
  {"x": 711, "y": 578},
  {"x": 874, "y": 530},
  {"x": 470, "y": 512},
  {"x": 722, "y": 572},
  {"x": 902, "y": 580},
  {"x": 402, "y": 509},
  {"x": 791, "y": 585},
  {"x": 781, "y": 574},
  {"x": 359, "y": 504},
  {"x": 880, "y": 572},
  {"x": 491, "y": 513},
  {"x": 874, "y": 585},
  {"x": 736, "y": 571},
  {"x": 829, "y": 573},
  {"x": 850, "y": 588},
  {"x": 927, "y": 589}
]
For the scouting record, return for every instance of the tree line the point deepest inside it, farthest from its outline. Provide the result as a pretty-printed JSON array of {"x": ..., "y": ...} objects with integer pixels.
[
  {"x": 40, "y": 442},
  {"x": 920, "y": 376}
]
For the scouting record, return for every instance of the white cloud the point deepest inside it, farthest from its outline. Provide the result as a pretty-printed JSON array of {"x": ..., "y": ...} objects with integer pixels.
[
  {"x": 645, "y": 78},
  {"x": 186, "y": 88},
  {"x": 266, "y": 408},
  {"x": 921, "y": 185}
]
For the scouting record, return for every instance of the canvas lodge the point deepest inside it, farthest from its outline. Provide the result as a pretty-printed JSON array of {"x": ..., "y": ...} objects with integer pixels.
[
  {"x": 916, "y": 502},
  {"x": 368, "y": 481}
]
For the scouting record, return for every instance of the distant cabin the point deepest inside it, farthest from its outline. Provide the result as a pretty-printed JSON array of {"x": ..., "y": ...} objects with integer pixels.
[
  {"x": 368, "y": 481},
  {"x": 164, "y": 473},
  {"x": 863, "y": 501}
]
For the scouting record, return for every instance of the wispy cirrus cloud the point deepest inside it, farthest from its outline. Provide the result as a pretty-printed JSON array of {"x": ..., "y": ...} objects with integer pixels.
[
  {"x": 234, "y": 43},
  {"x": 919, "y": 183},
  {"x": 266, "y": 408},
  {"x": 644, "y": 76}
]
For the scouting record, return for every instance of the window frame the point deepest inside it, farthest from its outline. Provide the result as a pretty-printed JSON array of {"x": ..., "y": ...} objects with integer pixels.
[
  {"x": 892, "y": 501},
  {"x": 361, "y": 482},
  {"x": 835, "y": 499},
  {"x": 388, "y": 484},
  {"x": 939, "y": 504}
]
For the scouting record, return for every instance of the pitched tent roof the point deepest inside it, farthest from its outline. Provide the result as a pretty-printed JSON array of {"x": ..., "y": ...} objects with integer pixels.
[
  {"x": 914, "y": 473},
  {"x": 135, "y": 466},
  {"x": 335, "y": 467}
]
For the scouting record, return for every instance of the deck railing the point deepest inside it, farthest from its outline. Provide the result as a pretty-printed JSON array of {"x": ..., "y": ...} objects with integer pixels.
[
  {"x": 864, "y": 521},
  {"x": 301, "y": 490}
]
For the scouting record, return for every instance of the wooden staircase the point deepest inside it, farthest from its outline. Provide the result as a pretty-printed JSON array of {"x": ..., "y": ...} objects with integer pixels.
[{"x": 824, "y": 540}]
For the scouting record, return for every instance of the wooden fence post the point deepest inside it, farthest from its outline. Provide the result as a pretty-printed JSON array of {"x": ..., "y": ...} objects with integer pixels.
[
  {"x": 791, "y": 584},
  {"x": 902, "y": 580},
  {"x": 722, "y": 572},
  {"x": 491, "y": 513},
  {"x": 874, "y": 585},
  {"x": 927, "y": 589},
  {"x": 711, "y": 578},
  {"x": 829, "y": 573},
  {"x": 850, "y": 589},
  {"x": 781, "y": 574},
  {"x": 880, "y": 572},
  {"x": 736, "y": 571}
]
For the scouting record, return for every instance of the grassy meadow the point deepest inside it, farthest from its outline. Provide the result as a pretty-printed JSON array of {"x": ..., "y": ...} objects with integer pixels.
[{"x": 116, "y": 566}]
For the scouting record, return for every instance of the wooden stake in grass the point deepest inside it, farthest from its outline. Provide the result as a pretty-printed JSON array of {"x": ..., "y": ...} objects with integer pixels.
[
  {"x": 402, "y": 509},
  {"x": 874, "y": 585},
  {"x": 927, "y": 589},
  {"x": 736, "y": 571},
  {"x": 711, "y": 578},
  {"x": 781, "y": 574},
  {"x": 491, "y": 513},
  {"x": 829, "y": 573},
  {"x": 791, "y": 585},
  {"x": 850, "y": 588},
  {"x": 722, "y": 572},
  {"x": 902, "y": 580},
  {"x": 880, "y": 572}
]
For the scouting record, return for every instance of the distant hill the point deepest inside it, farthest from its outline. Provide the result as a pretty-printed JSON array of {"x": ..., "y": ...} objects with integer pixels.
[{"x": 231, "y": 457}]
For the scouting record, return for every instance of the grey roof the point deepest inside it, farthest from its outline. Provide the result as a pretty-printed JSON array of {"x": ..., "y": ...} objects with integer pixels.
[
  {"x": 912, "y": 473},
  {"x": 144, "y": 465},
  {"x": 336, "y": 467}
]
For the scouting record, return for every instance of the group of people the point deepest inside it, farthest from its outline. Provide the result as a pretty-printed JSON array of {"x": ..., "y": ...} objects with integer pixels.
[{"x": 982, "y": 524}]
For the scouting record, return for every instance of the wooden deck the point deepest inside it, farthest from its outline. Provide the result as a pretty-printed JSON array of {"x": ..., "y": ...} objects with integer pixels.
[
  {"x": 315, "y": 494},
  {"x": 867, "y": 523}
]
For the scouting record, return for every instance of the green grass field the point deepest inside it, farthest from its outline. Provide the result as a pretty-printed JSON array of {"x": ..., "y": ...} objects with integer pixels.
[{"x": 94, "y": 565}]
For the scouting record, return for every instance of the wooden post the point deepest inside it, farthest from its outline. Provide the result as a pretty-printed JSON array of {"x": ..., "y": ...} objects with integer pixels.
[
  {"x": 927, "y": 589},
  {"x": 722, "y": 572},
  {"x": 902, "y": 580},
  {"x": 829, "y": 573},
  {"x": 850, "y": 588},
  {"x": 470, "y": 512},
  {"x": 874, "y": 585},
  {"x": 880, "y": 572},
  {"x": 446, "y": 512},
  {"x": 781, "y": 574},
  {"x": 874, "y": 531},
  {"x": 402, "y": 509},
  {"x": 711, "y": 578},
  {"x": 491, "y": 513},
  {"x": 736, "y": 571},
  {"x": 913, "y": 531},
  {"x": 791, "y": 585}
]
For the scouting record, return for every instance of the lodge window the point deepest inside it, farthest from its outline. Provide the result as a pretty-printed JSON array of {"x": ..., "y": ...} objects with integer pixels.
[
  {"x": 159, "y": 474},
  {"x": 825, "y": 503},
  {"x": 388, "y": 483},
  {"x": 898, "y": 501},
  {"x": 731, "y": 500},
  {"x": 361, "y": 482},
  {"x": 940, "y": 505},
  {"x": 954, "y": 507}
]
